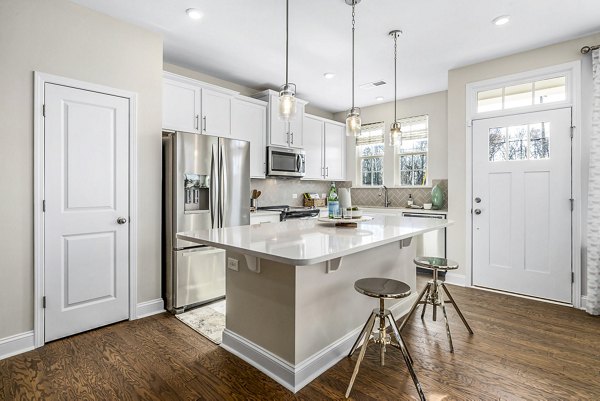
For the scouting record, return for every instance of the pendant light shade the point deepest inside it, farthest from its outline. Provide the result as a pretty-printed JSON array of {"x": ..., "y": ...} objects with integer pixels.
[
  {"x": 287, "y": 92},
  {"x": 395, "y": 135},
  {"x": 353, "y": 122}
]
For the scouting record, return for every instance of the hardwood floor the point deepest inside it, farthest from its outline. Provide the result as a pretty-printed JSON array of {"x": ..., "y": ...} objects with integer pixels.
[{"x": 522, "y": 349}]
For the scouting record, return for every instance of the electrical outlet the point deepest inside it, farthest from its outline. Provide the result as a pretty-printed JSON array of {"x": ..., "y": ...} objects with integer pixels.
[
  {"x": 232, "y": 264},
  {"x": 294, "y": 196}
]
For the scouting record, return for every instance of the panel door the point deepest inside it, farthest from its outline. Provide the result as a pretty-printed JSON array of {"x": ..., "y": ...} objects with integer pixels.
[
  {"x": 86, "y": 246},
  {"x": 335, "y": 151},
  {"x": 313, "y": 146},
  {"x": 521, "y": 203},
  {"x": 216, "y": 113},
  {"x": 249, "y": 122},
  {"x": 181, "y": 106}
]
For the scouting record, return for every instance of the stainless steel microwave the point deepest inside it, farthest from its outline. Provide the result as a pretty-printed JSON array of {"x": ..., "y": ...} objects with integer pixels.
[{"x": 285, "y": 162}]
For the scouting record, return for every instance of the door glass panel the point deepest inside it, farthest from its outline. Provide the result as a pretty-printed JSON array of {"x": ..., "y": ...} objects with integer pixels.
[
  {"x": 517, "y": 96},
  {"x": 497, "y": 144},
  {"x": 550, "y": 90},
  {"x": 539, "y": 140},
  {"x": 517, "y": 142},
  {"x": 489, "y": 100}
]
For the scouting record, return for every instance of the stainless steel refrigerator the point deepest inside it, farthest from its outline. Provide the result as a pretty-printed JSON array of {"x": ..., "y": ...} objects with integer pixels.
[{"x": 206, "y": 184}]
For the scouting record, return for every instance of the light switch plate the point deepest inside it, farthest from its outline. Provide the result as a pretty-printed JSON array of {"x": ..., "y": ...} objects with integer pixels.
[{"x": 232, "y": 264}]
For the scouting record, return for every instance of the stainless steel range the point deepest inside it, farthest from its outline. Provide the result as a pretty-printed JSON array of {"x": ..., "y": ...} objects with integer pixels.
[{"x": 293, "y": 212}]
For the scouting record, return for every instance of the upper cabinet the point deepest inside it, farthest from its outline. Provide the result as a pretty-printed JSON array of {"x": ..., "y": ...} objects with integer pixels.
[
  {"x": 249, "y": 122},
  {"x": 325, "y": 147},
  {"x": 281, "y": 133},
  {"x": 194, "y": 106}
]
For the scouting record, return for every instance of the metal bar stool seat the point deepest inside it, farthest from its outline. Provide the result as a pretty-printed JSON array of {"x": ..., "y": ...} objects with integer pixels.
[
  {"x": 382, "y": 288},
  {"x": 432, "y": 293}
]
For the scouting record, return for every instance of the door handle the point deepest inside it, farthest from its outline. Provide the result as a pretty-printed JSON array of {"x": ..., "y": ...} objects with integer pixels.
[
  {"x": 121, "y": 220},
  {"x": 477, "y": 211},
  {"x": 478, "y": 200}
]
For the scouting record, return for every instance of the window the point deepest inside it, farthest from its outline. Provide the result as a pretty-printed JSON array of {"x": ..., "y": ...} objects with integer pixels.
[
  {"x": 411, "y": 155},
  {"x": 369, "y": 154},
  {"x": 519, "y": 142},
  {"x": 522, "y": 95}
]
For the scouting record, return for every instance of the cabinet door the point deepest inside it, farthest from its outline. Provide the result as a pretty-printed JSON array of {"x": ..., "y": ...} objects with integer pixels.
[
  {"x": 335, "y": 151},
  {"x": 216, "y": 113},
  {"x": 249, "y": 122},
  {"x": 278, "y": 130},
  {"x": 296, "y": 127},
  {"x": 313, "y": 146},
  {"x": 181, "y": 106}
]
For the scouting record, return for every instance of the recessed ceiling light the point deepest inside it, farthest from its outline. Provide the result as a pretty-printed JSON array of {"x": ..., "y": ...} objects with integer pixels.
[
  {"x": 193, "y": 13},
  {"x": 379, "y": 98},
  {"x": 501, "y": 20},
  {"x": 329, "y": 75}
]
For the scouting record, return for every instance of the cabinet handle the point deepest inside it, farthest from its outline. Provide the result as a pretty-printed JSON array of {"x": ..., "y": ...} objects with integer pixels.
[
  {"x": 197, "y": 116},
  {"x": 204, "y": 123}
]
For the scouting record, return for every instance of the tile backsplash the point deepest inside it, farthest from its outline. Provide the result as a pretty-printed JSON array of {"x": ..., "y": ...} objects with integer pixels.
[
  {"x": 398, "y": 196},
  {"x": 280, "y": 192}
]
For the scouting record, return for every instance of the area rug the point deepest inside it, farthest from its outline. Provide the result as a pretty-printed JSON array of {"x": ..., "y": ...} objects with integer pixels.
[{"x": 208, "y": 320}]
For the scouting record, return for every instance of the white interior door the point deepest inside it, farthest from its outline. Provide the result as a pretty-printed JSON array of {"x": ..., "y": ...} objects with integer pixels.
[
  {"x": 86, "y": 185},
  {"x": 521, "y": 204}
]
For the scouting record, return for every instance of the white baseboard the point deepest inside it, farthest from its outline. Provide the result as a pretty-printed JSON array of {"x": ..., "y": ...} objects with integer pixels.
[
  {"x": 295, "y": 377},
  {"x": 16, "y": 344},
  {"x": 149, "y": 308},
  {"x": 455, "y": 279}
]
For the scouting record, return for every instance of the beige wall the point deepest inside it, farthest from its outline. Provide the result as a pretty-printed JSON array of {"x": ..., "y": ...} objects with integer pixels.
[
  {"x": 457, "y": 81},
  {"x": 61, "y": 38},
  {"x": 243, "y": 90},
  {"x": 434, "y": 105}
]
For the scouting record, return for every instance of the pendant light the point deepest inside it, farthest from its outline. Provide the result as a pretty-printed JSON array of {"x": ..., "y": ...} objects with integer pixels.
[
  {"x": 395, "y": 133},
  {"x": 353, "y": 122},
  {"x": 287, "y": 92}
]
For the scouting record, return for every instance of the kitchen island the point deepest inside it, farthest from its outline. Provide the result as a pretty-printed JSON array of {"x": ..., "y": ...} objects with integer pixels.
[{"x": 292, "y": 310}]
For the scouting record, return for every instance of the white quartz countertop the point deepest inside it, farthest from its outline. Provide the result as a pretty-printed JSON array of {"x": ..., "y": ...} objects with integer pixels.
[{"x": 307, "y": 242}]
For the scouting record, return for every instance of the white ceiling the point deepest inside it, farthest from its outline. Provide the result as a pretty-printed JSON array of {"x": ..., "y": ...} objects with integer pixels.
[{"x": 244, "y": 41}]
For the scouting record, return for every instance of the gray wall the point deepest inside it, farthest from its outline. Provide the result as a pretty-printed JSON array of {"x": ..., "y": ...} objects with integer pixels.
[
  {"x": 61, "y": 38},
  {"x": 457, "y": 81}
]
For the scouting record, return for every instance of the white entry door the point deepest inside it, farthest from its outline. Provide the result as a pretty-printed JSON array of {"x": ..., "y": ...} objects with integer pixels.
[
  {"x": 521, "y": 204},
  {"x": 86, "y": 233}
]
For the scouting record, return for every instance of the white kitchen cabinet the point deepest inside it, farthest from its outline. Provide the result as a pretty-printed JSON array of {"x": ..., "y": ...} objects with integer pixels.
[
  {"x": 325, "y": 147},
  {"x": 335, "y": 151},
  {"x": 216, "y": 113},
  {"x": 181, "y": 106},
  {"x": 314, "y": 129},
  {"x": 249, "y": 122},
  {"x": 281, "y": 133},
  {"x": 195, "y": 106}
]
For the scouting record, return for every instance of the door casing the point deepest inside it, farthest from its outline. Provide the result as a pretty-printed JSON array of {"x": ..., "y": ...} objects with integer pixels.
[
  {"x": 572, "y": 71},
  {"x": 40, "y": 79}
]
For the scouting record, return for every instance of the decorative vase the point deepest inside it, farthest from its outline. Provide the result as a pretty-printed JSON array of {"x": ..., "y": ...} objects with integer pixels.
[{"x": 437, "y": 197}]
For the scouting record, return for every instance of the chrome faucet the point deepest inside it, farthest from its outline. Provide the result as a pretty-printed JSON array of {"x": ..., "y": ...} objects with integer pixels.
[{"x": 386, "y": 201}]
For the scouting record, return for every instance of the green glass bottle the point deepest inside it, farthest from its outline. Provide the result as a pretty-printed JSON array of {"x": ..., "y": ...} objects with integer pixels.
[{"x": 333, "y": 204}]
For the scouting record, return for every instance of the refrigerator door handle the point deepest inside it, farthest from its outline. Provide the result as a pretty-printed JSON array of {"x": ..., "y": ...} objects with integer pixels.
[
  {"x": 212, "y": 193},
  {"x": 222, "y": 185}
]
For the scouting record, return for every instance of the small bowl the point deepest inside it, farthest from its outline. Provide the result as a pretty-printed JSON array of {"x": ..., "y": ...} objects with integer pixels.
[{"x": 427, "y": 206}]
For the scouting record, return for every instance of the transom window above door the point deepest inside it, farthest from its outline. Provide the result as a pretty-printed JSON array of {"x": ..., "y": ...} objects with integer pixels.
[
  {"x": 519, "y": 142},
  {"x": 533, "y": 93}
]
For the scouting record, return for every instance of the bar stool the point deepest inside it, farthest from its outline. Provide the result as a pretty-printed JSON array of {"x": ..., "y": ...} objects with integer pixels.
[
  {"x": 382, "y": 288},
  {"x": 432, "y": 293}
]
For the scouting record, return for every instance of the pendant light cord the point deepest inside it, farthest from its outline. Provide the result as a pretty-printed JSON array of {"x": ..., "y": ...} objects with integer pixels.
[
  {"x": 353, "y": 25},
  {"x": 287, "y": 30}
]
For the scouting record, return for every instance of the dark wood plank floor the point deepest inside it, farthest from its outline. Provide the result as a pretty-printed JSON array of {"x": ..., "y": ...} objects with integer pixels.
[{"x": 521, "y": 350}]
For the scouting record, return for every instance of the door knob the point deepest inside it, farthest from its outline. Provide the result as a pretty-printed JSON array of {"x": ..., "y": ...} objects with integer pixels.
[
  {"x": 121, "y": 220},
  {"x": 477, "y": 211},
  {"x": 478, "y": 200}
]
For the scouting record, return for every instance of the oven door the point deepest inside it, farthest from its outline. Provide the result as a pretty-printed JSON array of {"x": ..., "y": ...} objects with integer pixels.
[{"x": 286, "y": 162}]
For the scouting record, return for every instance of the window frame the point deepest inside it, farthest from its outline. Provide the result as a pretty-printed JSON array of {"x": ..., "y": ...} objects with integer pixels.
[{"x": 398, "y": 157}]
